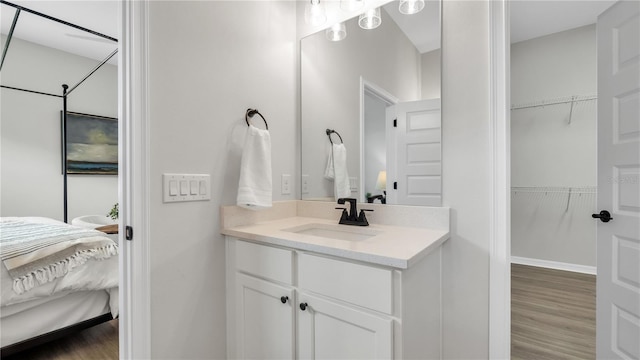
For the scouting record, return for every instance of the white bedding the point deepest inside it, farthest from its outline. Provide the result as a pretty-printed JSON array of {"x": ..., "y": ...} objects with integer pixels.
[
  {"x": 92, "y": 275},
  {"x": 32, "y": 318}
]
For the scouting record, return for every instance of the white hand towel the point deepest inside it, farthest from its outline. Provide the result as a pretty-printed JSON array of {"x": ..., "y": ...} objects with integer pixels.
[
  {"x": 329, "y": 173},
  {"x": 254, "y": 188},
  {"x": 341, "y": 185}
]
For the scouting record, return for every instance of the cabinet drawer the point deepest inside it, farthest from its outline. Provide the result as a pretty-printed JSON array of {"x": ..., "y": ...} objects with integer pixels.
[
  {"x": 362, "y": 285},
  {"x": 264, "y": 261}
]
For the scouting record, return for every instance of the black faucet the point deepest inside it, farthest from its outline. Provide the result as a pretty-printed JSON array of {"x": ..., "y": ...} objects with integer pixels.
[{"x": 351, "y": 217}]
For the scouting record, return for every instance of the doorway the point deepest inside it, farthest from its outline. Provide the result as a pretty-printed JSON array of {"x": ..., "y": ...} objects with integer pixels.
[
  {"x": 553, "y": 179},
  {"x": 373, "y": 104},
  {"x": 60, "y": 156}
]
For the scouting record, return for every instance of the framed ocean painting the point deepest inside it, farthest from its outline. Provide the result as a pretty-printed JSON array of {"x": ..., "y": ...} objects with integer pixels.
[{"x": 92, "y": 144}]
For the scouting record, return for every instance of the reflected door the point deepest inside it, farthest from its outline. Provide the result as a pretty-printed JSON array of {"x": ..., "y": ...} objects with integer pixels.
[{"x": 414, "y": 167}]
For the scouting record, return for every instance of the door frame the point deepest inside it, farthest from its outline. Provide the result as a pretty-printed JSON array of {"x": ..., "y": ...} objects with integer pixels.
[
  {"x": 135, "y": 298},
  {"x": 500, "y": 211},
  {"x": 387, "y": 97}
]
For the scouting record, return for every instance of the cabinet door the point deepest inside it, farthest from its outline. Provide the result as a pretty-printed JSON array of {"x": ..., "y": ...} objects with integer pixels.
[
  {"x": 327, "y": 330},
  {"x": 264, "y": 319}
]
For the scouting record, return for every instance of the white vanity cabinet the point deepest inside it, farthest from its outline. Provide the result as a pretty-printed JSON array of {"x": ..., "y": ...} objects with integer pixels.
[{"x": 285, "y": 303}]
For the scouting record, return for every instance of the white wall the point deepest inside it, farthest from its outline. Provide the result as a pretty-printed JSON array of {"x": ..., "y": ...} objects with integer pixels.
[
  {"x": 331, "y": 74},
  {"x": 548, "y": 151},
  {"x": 466, "y": 152},
  {"x": 31, "y": 160},
  {"x": 209, "y": 61},
  {"x": 430, "y": 70}
]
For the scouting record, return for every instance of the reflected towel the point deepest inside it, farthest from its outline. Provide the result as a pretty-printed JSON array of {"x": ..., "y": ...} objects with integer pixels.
[
  {"x": 341, "y": 185},
  {"x": 329, "y": 173},
  {"x": 254, "y": 188}
]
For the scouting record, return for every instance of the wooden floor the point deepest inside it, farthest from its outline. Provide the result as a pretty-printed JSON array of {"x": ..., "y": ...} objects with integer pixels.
[
  {"x": 98, "y": 342},
  {"x": 553, "y": 314}
]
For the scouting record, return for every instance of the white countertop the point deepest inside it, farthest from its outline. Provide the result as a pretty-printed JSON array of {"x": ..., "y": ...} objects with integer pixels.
[{"x": 394, "y": 246}]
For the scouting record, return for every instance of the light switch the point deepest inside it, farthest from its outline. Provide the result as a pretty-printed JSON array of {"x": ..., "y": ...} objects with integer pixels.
[
  {"x": 184, "y": 187},
  {"x": 203, "y": 187},
  {"x": 173, "y": 188}
]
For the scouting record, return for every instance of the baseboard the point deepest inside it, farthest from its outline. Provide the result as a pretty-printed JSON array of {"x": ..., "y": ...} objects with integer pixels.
[{"x": 554, "y": 265}]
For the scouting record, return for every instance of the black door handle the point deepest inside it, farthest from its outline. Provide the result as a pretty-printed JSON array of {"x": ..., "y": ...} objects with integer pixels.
[
  {"x": 604, "y": 216},
  {"x": 284, "y": 299},
  {"x": 303, "y": 306}
]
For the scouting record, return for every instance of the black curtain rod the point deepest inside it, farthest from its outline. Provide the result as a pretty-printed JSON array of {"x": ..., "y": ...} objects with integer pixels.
[
  {"x": 30, "y": 91},
  {"x": 58, "y": 20}
]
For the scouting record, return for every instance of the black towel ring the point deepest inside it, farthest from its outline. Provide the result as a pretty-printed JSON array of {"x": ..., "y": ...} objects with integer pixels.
[
  {"x": 250, "y": 113},
  {"x": 329, "y": 132}
]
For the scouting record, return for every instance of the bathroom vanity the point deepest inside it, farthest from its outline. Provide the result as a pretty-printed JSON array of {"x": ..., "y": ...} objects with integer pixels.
[{"x": 301, "y": 286}]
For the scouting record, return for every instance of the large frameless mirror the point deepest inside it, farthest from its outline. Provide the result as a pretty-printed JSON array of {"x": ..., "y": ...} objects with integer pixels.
[{"x": 370, "y": 105}]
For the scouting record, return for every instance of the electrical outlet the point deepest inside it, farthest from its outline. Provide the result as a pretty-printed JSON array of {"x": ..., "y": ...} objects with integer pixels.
[
  {"x": 286, "y": 184},
  {"x": 305, "y": 184}
]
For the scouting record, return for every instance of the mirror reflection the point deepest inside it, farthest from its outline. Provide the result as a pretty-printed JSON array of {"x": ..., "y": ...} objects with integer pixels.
[{"x": 370, "y": 105}]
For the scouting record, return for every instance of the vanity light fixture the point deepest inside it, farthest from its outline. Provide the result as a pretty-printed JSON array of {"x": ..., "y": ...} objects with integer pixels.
[
  {"x": 409, "y": 7},
  {"x": 337, "y": 32},
  {"x": 370, "y": 19},
  {"x": 314, "y": 13},
  {"x": 351, "y": 5}
]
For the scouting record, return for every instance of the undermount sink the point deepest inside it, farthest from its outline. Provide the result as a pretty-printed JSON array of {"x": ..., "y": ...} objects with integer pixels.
[{"x": 338, "y": 232}]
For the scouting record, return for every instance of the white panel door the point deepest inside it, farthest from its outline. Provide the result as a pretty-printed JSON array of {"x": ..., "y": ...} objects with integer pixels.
[
  {"x": 618, "y": 281},
  {"x": 264, "y": 319},
  {"x": 414, "y": 153},
  {"x": 327, "y": 330}
]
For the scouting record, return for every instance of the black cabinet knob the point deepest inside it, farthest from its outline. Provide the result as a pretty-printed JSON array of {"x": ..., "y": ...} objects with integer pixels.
[
  {"x": 604, "y": 216},
  {"x": 303, "y": 306},
  {"x": 284, "y": 299}
]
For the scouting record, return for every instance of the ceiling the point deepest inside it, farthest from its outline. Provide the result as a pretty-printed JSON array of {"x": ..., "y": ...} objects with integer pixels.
[
  {"x": 529, "y": 19},
  {"x": 97, "y": 15}
]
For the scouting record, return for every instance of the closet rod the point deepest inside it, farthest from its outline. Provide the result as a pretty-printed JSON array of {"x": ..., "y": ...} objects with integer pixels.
[
  {"x": 58, "y": 20},
  {"x": 543, "y": 103}
]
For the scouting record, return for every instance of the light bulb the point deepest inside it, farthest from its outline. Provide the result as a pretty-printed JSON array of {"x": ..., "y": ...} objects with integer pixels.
[
  {"x": 351, "y": 5},
  {"x": 409, "y": 7},
  {"x": 370, "y": 19},
  {"x": 314, "y": 13},
  {"x": 337, "y": 32}
]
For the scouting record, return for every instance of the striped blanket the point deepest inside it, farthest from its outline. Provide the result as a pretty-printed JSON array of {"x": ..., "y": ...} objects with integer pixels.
[{"x": 38, "y": 253}]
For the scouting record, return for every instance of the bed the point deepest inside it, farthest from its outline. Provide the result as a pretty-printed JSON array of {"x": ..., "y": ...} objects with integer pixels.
[{"x": 54, "y": 278}]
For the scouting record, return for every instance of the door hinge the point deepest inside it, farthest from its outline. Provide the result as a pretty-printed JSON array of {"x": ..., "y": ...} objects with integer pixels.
[
  {"x": 395, "y": 185},
  {"x": 128, "y": 232},
  {"x": 395, "y": 122}
]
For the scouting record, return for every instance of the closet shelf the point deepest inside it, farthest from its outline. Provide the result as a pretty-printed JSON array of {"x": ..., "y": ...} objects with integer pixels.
[
  {"x": 556, "y": 101},
  {"x": 555, "y": 189}
]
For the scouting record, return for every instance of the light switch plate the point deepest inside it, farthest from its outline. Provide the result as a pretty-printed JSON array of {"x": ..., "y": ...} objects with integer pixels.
[
  {"x": 185, "y": 187},
  {"x": 353, "y": 183}
]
